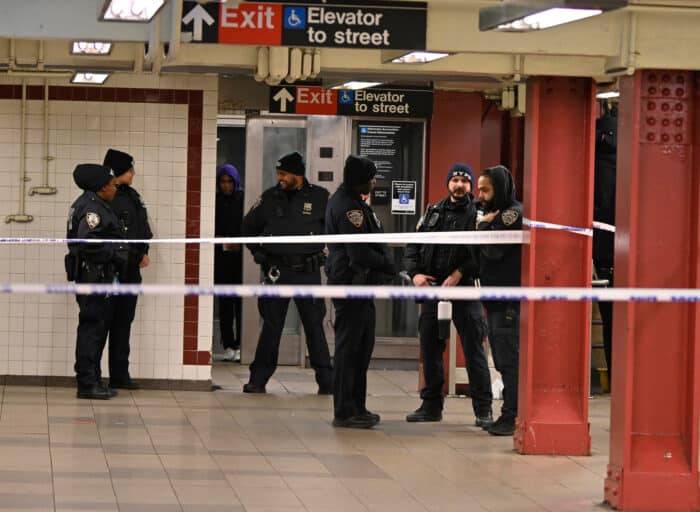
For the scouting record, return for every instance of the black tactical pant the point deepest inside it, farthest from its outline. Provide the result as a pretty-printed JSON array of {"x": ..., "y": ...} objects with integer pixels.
[
  {"x": 504, "y": 337},
  {"x": 230, "y": 308},
  {"x": 354, "y": 342},
  {"x": 120, "y": 330},
  {"x": 468, "y": 317},
  {"x": 94, "y": 321},
  {"x": 606, "y": 316},
  {"x": 119, "y": 334},
  {"x": 273, "y": 312}
]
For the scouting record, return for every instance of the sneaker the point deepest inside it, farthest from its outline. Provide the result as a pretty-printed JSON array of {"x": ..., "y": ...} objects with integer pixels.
[
  {"x": 354, "y": 422},
  {"x": 237, "y": 355},
  {"x": 252, "y": 388},
  {"x": 484, "y": 421},
  {"x": 422, "y": 414},
  {"x": 502, "y": 427},
  {"x": 229, "y": 355}
]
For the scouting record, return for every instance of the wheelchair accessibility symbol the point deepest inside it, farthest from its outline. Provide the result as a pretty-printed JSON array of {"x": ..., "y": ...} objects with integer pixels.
[
  {"x": 346, "y": 97},
  {"x": 403, "y": 198},
  {"x": 294, "y": 17}
]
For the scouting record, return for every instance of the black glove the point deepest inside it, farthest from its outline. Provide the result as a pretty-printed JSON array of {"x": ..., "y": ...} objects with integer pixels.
[{"x": 260, "y": 257}]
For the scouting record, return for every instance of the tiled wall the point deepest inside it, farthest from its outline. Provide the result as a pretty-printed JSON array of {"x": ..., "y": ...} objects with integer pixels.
[{"x": 168, "y": 124}]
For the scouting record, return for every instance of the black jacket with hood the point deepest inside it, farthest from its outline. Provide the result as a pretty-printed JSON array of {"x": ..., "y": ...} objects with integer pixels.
[{"x": 499, "y": 264}]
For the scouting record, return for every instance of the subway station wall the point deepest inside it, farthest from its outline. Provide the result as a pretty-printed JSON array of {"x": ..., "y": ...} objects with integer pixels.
[{"x": 168, "y": 124}]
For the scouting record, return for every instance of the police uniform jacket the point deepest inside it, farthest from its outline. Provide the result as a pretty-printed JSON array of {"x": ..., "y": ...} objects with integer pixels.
[
  {"x": 91, "y": 217},
  {"x": 281, "y": 212},
  {"x": 499, "y": 264},
  {"x": 133, "y": 219},
  {"x": 434, "y": 259},
  {"x": 349, "y": 214}
]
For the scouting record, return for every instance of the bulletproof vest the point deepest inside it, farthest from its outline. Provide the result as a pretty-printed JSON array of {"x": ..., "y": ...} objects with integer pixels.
[{"x": 449, "y": 217}]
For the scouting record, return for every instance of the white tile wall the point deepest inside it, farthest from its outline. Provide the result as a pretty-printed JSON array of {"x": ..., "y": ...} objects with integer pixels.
[{"x": 37, "y": 336}]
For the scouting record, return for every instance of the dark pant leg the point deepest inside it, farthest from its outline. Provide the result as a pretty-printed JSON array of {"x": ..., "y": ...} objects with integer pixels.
[
  {"x": 350, "y": 323},
  {"x": 119, "y": 334},
  {"x": 366, "y": 348},
  {"x": 226, "y": 309},
  {"x": 504, "y": 336},
  {"x": 432, "y": 348},
  {"x": 273, "y": 313},
  {"x": 238, "y": 313},
  {"x": 468, "y": 317},
  {"x": 93, "y": 321},
  {"x": 606, "y": 316},
  {"x": 312, "y": 312}
]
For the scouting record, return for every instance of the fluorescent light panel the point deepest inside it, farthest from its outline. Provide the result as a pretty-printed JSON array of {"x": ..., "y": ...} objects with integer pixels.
[
  {"x": 548, "y": 18},
  {"x": 419, "y": 57},
  {"x": 89, "y": 78},
  {"x": 356, "y": 85},
  {"x": 91, "y": 48},
  {"x": 130, "y": 10},
  {"x": 608, "y": 95}
]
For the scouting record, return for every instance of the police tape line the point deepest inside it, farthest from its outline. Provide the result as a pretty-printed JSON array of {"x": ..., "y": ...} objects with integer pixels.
[
  {"x": 443, "y": 237},
  {"x": 367, "y": 292}
]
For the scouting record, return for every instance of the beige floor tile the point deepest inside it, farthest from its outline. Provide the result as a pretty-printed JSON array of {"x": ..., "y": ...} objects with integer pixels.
[
  {"x": 269, "y": 497},
  {"x": 205, "y": 493},
  {"x": 295, "y": 464},
  {"x": 144, "y": 491},
  {"x": 83, "y": 460},
  {"x": 244, "y": 463},
  {"x": 255, "y": 481},
  {"x": 98, "y": 490}
]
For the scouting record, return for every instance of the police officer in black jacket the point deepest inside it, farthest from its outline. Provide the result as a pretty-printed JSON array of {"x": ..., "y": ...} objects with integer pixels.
[
  {"x": 348, "y": 264},
  {"x": 133, "y": 218},
  {"x": 500, "y": 266},
  {"x": 292, "y": 207},
  {"x": 604, "y": 211},
  {"x": 91, "y": 216},
  {"x": 450, "y": 265}
]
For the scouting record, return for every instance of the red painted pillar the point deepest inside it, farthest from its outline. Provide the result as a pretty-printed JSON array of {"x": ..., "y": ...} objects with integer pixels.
[
  {"x": 656, "y": 378},
  {"x": 554, "y": 336}
]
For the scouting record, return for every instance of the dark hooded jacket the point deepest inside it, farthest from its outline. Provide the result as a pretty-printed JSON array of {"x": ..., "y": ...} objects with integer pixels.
[
  {"x": 229, "y": 212},
  {"x": 604, "y": 196},
  {"x": 499, "y": 264}
]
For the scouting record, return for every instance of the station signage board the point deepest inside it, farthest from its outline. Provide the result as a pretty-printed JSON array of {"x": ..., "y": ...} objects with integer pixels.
[
  {"x": 302, "y": 99},
  {"x": 331, "y": 23}
]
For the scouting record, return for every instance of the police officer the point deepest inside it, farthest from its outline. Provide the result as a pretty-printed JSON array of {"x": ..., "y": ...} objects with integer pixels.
[
  {"x": 604, "y": 211},
  {"x": 350, "y": 263},
  {"x": 500, "y": 266},
  {"x": 450, "y": 265},
  {"x": 133, "y": 218},
  {"x": 292, "y": 207},
  {"x": 91, "y": 216}
]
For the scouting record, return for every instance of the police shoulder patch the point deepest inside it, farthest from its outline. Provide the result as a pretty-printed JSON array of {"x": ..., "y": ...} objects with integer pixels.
[
  {"x": 356, "y": 217},
  {"x": 509, "y": 217},
  {"x": 93, "y": 220}
]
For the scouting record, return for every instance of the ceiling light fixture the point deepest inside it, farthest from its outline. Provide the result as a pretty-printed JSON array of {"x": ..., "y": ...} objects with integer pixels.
[
  {"x": 356, "y": 85},
  {"x": 89, "y": 78},
  {"x": 419, "y": 57},
  {"x": 90, "y": 48},
  {"x": 130, "y": 10},
  {"x": 608, "y": 95},
  {"x": 527, "y": 15}
]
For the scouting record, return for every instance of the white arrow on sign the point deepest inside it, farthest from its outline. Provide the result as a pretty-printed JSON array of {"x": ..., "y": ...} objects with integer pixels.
[
  {"x": 283, "y": 96},
  {"x": 196, "y": 16}
]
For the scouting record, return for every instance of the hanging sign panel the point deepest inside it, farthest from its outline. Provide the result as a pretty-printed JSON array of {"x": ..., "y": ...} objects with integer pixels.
[
  {"x": 331, "y": 23},
  {"x": 381, "y": 143},
  {"x": 403, "y": 197},
  {"x": 289, "y": 99}
]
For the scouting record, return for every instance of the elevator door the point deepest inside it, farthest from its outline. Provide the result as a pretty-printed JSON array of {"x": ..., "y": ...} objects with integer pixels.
[{"x": 266, "y": 141}]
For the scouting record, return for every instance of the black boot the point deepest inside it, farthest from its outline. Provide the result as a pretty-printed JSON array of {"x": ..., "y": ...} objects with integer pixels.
[
  {"x": 424, "y": 413},
  {"x": 94, "y": 392}
]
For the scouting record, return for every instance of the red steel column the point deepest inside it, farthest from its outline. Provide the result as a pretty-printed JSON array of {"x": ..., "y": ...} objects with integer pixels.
[
  {"x": 554, "y": 336},
  {"x": 656, "y": 379}
]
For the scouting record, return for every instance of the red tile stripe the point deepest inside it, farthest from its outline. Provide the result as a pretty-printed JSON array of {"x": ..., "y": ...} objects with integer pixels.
[{"x": 194, "y": 101}]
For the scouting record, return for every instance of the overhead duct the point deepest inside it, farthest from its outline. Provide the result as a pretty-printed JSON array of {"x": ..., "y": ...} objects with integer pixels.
[{"x": 278, "y": 63}]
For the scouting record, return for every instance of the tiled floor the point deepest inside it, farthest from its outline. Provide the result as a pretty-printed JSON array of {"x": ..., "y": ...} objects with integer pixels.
[{"x": 160, "y": 451}]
